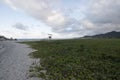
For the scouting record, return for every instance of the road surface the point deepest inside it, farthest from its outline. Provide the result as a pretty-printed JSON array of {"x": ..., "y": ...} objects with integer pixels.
[{"x": 14, "y": 61}]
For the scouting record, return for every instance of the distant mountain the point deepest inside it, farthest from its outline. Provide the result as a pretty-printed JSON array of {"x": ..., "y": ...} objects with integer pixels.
[{"x": 112, "y": 34}]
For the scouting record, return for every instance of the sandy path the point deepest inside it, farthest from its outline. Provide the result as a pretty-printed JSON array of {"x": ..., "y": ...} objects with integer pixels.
[{"x": 14, "y": 61}]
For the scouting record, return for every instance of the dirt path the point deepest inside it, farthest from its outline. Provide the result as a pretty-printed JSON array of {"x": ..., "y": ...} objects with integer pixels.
[{"x": 14, "y": 61}]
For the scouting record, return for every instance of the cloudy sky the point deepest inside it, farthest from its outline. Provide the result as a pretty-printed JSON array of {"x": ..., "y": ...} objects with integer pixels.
[{"x": 62, "y": 18}]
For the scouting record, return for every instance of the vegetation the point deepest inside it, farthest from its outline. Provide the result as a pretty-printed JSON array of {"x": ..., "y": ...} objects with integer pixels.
[{"x": 93, "y": 59}]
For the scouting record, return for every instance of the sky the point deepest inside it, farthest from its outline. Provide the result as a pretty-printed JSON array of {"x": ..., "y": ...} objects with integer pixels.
[{"x": 61, "y": 18}]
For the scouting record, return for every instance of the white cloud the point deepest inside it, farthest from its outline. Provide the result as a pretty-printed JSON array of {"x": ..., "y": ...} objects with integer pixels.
[
  {"x": 57, "y": 19},
  {"x": 98, "y": 15},
  {"x": 42, "y": 10}
]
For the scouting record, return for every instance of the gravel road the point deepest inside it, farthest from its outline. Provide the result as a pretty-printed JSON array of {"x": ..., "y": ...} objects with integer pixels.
[{"x": 14, "y": 61}]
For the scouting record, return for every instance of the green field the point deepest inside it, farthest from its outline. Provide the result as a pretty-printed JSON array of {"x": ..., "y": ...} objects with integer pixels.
[{"x": 85, "y": 59}]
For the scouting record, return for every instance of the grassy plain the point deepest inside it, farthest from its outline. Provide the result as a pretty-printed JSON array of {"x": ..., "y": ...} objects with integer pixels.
[{"x": 79, "y": 59}]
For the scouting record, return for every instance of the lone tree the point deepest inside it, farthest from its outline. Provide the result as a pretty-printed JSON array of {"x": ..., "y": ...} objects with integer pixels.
[{"x": 50, "y": 36}]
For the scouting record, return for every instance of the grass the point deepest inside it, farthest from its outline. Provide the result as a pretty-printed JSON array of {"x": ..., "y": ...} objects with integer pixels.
[{"x": 86, "y": 59}]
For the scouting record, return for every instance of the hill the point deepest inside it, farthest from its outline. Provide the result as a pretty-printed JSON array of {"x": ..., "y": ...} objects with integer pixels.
[
  {"x": 112, "y": 34},
  {"x": 2, "y": 38}
]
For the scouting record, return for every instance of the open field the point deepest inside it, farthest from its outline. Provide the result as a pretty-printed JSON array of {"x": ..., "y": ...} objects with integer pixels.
[{"x": 92, "y": 59}]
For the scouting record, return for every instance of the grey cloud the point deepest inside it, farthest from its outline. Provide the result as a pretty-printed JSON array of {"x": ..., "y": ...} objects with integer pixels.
[
  {"x": 20, "y": 26},
  {"x": 1, "y": 1},
  {"x": 104, "y": 11},
  {"x": 103, "y": 28},
  {"x": 102, "y": 16}
]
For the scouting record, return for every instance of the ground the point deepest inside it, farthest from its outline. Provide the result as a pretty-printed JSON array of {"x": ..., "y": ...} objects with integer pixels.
[{"x": 14, "y": 61}]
